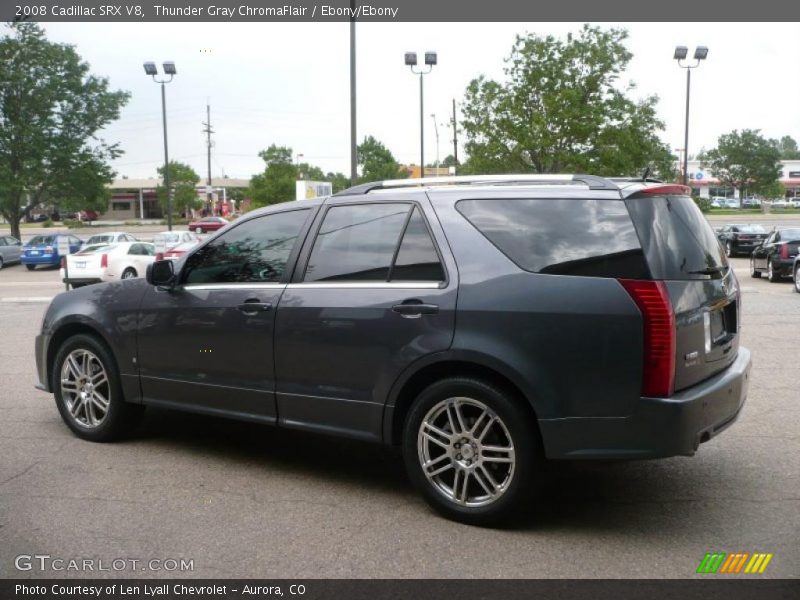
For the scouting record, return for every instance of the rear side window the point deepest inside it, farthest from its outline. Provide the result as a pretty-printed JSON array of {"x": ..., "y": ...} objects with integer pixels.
[
  {"x": 591, "y": 238},
  {"x": 417, "y": 259},
  {"x": 677, "y": 240}
]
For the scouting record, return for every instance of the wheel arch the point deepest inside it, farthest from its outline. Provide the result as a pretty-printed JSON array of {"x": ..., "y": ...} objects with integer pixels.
[
  {"x": 413, "y": 381},
  {"x": 70, "y": 329}
]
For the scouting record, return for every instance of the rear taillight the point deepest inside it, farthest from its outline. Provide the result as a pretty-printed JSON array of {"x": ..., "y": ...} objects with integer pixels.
[
  {"x": 104, "y": 261},
  {"x": 160, "y": 256},
  {"x": 784, "y": 252},
  {"x": 48, "y": 250},
  {"x": 658, "y": 372},
  {"x": 63, "y": 262}
]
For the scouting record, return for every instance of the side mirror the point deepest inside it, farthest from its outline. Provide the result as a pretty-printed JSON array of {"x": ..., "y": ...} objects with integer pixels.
[{"x": 161, "y": 273}]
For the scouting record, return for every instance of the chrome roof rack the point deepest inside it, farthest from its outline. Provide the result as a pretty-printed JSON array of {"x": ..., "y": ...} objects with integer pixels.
[{"x": 592, "y": 181}]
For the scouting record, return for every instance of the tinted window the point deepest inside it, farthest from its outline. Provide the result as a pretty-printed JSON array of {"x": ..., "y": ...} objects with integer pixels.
[
  {"x": 790, "y": 234},
  {"x": 752, "y": 229},
  {"x": 255, "y": 251},
  {"x": 677, "y": 240},
  {"x": 41, "y": 239},
  {"x": 565, "y": 237},
  {"x": 357, "y": 242},
  {"x": 417, "y": 259}
]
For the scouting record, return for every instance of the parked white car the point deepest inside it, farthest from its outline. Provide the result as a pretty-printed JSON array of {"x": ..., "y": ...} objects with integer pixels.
[
  {"x": 109, "y": 262},
  {"x": 110, "y": 237},
  {"x": 167, "y": 240}
]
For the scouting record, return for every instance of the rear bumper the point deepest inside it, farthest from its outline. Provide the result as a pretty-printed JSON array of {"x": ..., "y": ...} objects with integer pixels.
[
  {"x": 660, "y": 427},
  {"x": 48, "y": 259}
]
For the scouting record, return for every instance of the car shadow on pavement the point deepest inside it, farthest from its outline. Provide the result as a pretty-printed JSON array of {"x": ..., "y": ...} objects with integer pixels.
[{"x": 623, "y": 496}]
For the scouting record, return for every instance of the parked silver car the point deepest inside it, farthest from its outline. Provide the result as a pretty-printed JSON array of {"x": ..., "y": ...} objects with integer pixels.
[{"x": 10, "y": 250}]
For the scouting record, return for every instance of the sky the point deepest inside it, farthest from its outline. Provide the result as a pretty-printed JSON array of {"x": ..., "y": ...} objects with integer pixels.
[{"x": 288, "y": 84}]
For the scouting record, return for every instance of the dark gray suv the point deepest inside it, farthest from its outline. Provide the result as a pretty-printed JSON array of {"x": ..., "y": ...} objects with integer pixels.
[{"x": 485, "y": 324}]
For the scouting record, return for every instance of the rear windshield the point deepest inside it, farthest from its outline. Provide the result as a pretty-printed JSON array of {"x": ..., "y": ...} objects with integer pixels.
[
  {"x": 593, "y": 238},
  {"x": 41, "y": 239},
  {"x": 677, "y": 240},
  {"x": 100, "y": 239},
  {"x": 790, "y": 234},
  {"x": 167, "y": 237}
]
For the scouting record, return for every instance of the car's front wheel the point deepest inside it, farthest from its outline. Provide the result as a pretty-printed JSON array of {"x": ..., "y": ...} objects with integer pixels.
[
  {"x": 88, "y": 391},
  {"x": 797, "y": 278},
  {"x": 729, "y": 249},
  {"x": 198, "y": 230},
  {"x": 30, "y": 267},
  {"x": 472, "y": 450},
  {"x": 129, "y": 273}
]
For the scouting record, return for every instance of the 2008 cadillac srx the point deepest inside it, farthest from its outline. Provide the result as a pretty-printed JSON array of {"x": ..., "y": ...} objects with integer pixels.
[{"x": 485, "y": 324}]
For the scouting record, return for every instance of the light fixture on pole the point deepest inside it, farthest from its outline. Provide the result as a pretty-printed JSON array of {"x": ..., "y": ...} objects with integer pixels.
[
  {"x": 681, "y": 52},
  {"x": 169, "y": 69},
  {"x": 430, "y": 62}
]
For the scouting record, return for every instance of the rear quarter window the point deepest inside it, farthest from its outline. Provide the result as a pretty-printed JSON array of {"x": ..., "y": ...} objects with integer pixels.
[{"x": 585, "y": 237}]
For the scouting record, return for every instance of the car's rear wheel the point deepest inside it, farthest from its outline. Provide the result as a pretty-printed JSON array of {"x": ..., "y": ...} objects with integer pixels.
[
  {"x": 198, "y": 230},
  {"x": 755, "y": 273},
  {"x": 129, "y": 273},
  {"x": 797, "y": 278},
  {"x": 88, "y": 391},
  {"x": 30, "y": 267},
  {"x": 472, "y": 450},
  {"x": 771, "y": 274},
  {"x": 1, "y": 262},
  {"x": 729, "y": 249}
]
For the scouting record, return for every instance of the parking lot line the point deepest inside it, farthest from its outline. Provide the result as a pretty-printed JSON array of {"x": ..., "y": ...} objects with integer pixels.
[{"x": 27, "y": 299}]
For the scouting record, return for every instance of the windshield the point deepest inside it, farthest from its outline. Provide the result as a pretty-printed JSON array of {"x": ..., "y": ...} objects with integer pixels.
[{"x": 677, "y": 240}]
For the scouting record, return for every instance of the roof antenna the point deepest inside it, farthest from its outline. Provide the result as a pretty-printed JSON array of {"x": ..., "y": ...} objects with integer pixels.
[{"x": 646, "y": 173}]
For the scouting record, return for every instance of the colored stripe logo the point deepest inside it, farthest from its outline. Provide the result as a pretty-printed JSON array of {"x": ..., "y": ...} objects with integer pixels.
[{"x": 736, "y": 562}]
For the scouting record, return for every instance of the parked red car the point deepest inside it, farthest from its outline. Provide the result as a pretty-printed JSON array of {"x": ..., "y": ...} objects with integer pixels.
[{"x": 207, "y": 224}]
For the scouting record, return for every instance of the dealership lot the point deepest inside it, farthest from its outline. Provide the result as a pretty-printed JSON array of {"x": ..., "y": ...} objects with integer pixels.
[{"x": 245, "y": 500}]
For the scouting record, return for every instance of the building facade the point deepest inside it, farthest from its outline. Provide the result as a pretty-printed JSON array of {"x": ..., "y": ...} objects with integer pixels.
[{"x": 707, "y": 186}]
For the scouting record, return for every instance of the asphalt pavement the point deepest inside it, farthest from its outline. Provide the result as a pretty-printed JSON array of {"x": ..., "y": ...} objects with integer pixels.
[{"x": 242, "y": 500}]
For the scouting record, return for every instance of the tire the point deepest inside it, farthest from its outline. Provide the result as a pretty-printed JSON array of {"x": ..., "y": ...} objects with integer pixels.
[
  {"x": 771, "y": 275},
  {"x": 198, "y": 230},
  {"x": 89, "y": 417},
  {"x": 129, "y": 273},
  {"x": 797, "y": 277},
  {"x": 729, "y": 250},
  {"x": 1, "y": 262},
  {"x": 512, "y": 482},
  {"x": 30, "y": 267},
  {"x": 755, "y": 274}
]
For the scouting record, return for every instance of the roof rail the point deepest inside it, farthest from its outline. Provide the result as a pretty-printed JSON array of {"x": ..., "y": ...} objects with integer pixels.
[
  {"x": 592, "y": 181},
  {"x": 635, "y": 179}
]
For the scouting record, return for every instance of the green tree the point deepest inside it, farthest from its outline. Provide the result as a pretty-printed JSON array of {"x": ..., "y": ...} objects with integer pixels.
[
  {"x": 340, "y": 181},
  {"x": 377, "y": 162},
  {"x": 744, "y": 161},
  {"x": 787, "y": 146},
  {"x": 183, "y": 180},
  {"x": 277, "y": 182},
  {"x": 560, "y": 109},
  {"x": 51, "y": 110}
]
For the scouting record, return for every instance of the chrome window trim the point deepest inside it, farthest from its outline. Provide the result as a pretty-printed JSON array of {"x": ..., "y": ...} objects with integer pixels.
[
  {"x": 234, "y": 286},
  {"x": 367, "y": 285}
]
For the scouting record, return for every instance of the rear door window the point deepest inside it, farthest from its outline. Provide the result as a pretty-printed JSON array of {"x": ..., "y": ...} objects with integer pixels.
[
  {"x": 357, "y": 242},
  {"x": 586, "y": 237},
  {"x": 677, "y": 240}
]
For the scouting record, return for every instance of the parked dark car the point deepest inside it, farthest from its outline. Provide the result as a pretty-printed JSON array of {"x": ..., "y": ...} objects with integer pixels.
[
  {"x": 43, "y": 250},
  {"x": 483, "y": 324},
  {"x": 89, "y": 215},
  {"x": 10, "y": 250},
  {"x": 776, "y": 255},
  {"x": 207, "y": 224},
  {"x": 741, "y": 238}
]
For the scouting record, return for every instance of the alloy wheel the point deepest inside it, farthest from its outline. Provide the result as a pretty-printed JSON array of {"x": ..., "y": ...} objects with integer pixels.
[
  {"x": 797, "y": 279},
  {"x": 466, "y": 452},
  {"x": 85, "y": 388}
]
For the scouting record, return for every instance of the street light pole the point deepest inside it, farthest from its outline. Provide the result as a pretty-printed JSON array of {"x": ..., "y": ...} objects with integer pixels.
[
  {"x": 700, "y": 53},
  {"x": 411, "y": 62},
  {"x": 169, "y": 69},
  {"x": 436, "y": 131}
]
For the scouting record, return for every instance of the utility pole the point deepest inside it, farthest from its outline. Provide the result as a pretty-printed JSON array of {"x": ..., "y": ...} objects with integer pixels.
[
  {"x": 353, "y": 142},
  {"x": 455, "y": 136},
  {"x": 208, "y": 131}
]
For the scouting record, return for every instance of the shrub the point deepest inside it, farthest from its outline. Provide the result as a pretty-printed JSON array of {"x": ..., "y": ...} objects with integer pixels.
[
  {"x": 72, "y": 223},
  {"x": 48, "y": 223},
  {"x": 704, "y": 204}
]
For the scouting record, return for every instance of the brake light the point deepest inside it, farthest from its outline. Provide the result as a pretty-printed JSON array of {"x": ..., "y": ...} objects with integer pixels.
[
  {"x": 658, "y": 371},
  {"x": 104, "y": 261},
  {"x": 667, "y": 190},
  {"x": 48, "y": 250},
  {"x": 784, "y": 251}
]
